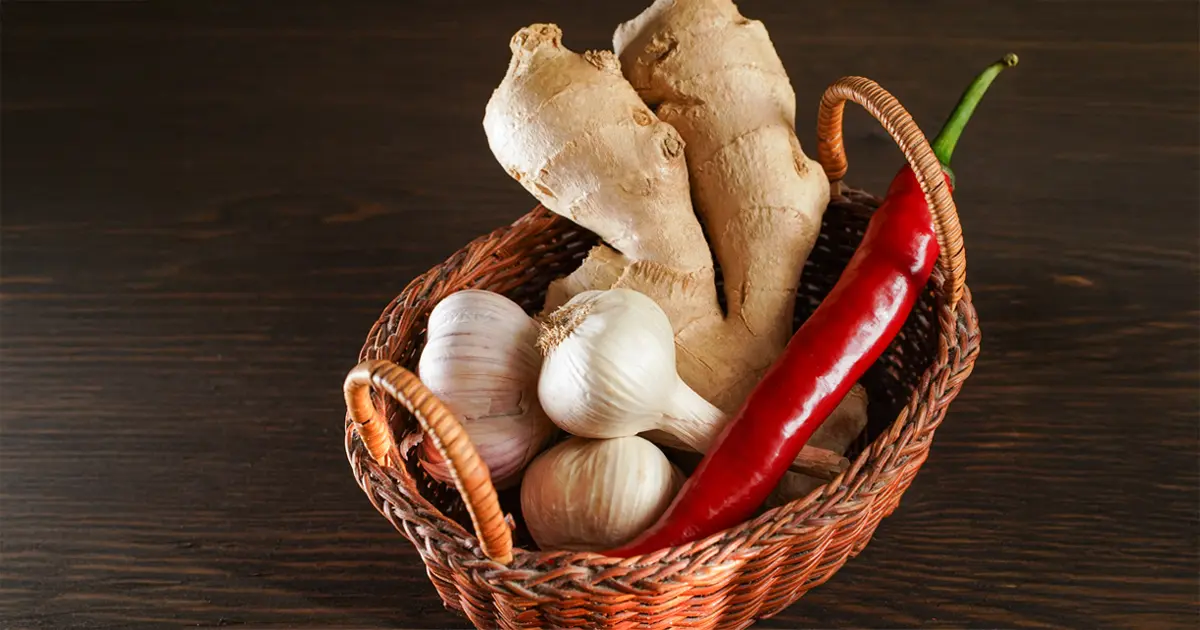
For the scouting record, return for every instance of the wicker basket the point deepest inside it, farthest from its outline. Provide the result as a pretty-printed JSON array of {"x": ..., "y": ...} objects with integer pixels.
[{"x": 475, "y": 548}]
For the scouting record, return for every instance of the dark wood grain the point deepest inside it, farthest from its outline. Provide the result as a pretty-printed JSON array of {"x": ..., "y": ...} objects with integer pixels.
[{"x": 205, "y": 209}]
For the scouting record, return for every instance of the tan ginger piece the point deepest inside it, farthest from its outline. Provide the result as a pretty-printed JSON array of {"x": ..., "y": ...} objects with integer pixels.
[
  {"x": 573, "y": 131},
  {"x": 575, "y": 134}
]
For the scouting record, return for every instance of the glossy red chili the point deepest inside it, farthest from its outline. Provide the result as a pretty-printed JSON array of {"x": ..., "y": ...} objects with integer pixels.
[{"x": 832, "y": 350}]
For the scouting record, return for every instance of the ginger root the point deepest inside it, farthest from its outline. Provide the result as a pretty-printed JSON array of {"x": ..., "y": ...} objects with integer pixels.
[
  {"x": 575, "y": 134},
  {"x": 578, "y": 136}
]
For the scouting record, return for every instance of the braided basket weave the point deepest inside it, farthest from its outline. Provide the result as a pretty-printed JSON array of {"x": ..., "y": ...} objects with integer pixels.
[{"x": 476, "y": 550}]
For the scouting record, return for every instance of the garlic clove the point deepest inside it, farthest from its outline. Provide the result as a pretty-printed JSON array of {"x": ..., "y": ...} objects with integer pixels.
[{"x": 589, "y": 495}]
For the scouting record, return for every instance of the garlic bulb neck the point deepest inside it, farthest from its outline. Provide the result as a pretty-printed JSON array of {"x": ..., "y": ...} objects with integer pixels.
[
  {"x": 692, "y": 420},
  {"x": 559, "y": 325}
]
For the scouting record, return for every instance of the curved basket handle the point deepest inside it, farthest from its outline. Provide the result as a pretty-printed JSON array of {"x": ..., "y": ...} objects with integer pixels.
[
  {"x": 471, "y": 475},
  {"x": 896, "y": 120}
]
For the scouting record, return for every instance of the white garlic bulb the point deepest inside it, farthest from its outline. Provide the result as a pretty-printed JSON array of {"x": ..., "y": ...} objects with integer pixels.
[
  {"x": 610, "y": 371},
  {"x": 591, "y": 495},
  {"x": 481, "y": 360}
]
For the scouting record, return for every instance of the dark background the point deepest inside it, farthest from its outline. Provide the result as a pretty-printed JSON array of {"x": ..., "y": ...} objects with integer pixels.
[{"x": 205, "y": 207}]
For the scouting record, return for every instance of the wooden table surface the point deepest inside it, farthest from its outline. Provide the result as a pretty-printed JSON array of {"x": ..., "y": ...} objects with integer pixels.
[{"x": 204, "y": 210}]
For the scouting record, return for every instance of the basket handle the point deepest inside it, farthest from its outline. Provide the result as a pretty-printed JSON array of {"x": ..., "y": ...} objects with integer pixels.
[
  {"x": 831, "y": 153},
  {"x": 470, "y": 474}
]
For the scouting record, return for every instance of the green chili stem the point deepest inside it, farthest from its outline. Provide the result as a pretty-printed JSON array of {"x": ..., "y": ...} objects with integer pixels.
[{"x": 943, "y": 144}]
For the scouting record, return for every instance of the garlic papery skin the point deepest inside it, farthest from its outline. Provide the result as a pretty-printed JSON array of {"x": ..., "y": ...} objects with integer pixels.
[
  {"x": 590, "y": 495},
  {"x": 481, "y": 360},
  {"x": 609, "y": 371}
]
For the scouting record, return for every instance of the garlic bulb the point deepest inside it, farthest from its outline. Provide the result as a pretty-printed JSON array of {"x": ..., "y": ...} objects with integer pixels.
[
  {"x": 610, "y": 372},
  {"x": 590, "y": 495},
  {"x": 481, "y": 360}
]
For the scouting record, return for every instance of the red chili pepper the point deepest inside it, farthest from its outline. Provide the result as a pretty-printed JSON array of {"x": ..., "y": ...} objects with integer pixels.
[{"x": 832, "y": 350}]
